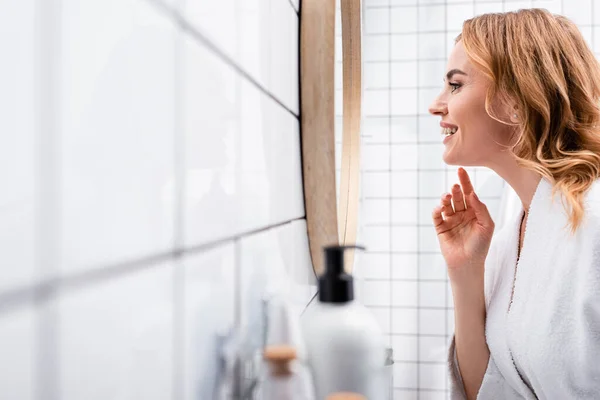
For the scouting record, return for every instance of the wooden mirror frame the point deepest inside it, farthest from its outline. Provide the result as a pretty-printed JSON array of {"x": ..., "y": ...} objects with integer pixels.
[{"x": 327, "y": 224}]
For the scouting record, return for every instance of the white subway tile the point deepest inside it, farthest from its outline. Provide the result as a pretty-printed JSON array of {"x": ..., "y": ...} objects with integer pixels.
[
  {"x": 376, "y": 130},
  {"x": 256, "y": 30},
  {"x": 431, "y": 45},
  {"x": 269, "y": 173},
  {"x": 407, "y": 394},
  {"x": 404, "y": 239},
  {"x": 428, "y": 240},
  {"x": 432, "y": 266},
  {"x": 338, "y": 106},
  {"x": 434, "y": 394},
  {"x": 586, "y": 32},
  {"x": 406, "y": 348},
  {"x": 376, "y": 75},
  {"x": 284, "y": 73},
  {"x": 405, "y": 294},
  {"x": 426, "y": 98},
  {"x": 375, "y": 48},
  {"x": 450, "y": 43},
  {"x": 403, "y": 129},
  {"x": 404, "y": 48},
  {"x": 404, "y": 211},
  {"x": 432, "y": 322},
  {"x": 375, "y": 157},
  {"x": 518, "y": 5},
  {"x": 217, "y": 21},
  {"x": 339, "y": 75},
  {"x": 430, "y": 156},
  {"x": 433, "y": 376},
  {"x": 405, "y": 321},
  {"x": 450, "y": 322},
  {"x": 116, "y": 337},
  {"x": 376, "y": 20},
  {"x": 376, "y": 293},
  {"x": 554, "y": 6},
  {"x": 403, "y": 102},
  {"x": 405, "y": 375},
  {"x": 433, "y": 349},
  {"x": 432, "y": 294},
  {"x": 274, "y": 262},
  {"x": 432, "y": 183},
  {"x": 117, "y": 133},
  {"x": 426, "y": 206},
  {"x": 211, "y": 125},
  {"x": 208, "y": 317},
  {"x": 403, "y": 2},
  {"x": 376, "y": 238},
  {"x": 488, "y": 7},
  {"x": 17, "y": 174},
  {"x": 376, "y": 103},
  {"x": 405, "y": 266},
  {"x": 429, "y": 128},
  {"x": 404, "y": 19},
  {"x": 373, "y": 266},
  {"x": 432, "y": 18},
  {"x": 403, "y": 74},
  {"x": 382, "y": 315},
  {"x": 404, "y": 157},
  {"x": 375, "y": 211},
  {"x": 18, "y": 346},
  {"x": 404, "y": 184},
  {"x": 431, "y": 73},
  {"x": 457, "y": 14},
  {"x": 375, "y": 184}
]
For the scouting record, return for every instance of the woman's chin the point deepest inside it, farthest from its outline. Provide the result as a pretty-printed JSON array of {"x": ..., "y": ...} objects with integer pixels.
[{"x": 449, "y": 158}]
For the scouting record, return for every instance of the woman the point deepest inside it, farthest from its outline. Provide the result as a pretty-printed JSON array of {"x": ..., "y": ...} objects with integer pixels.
[{"x": 521, "y": 97}]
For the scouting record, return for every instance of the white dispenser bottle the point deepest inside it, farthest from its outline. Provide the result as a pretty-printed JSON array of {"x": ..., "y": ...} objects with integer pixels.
[{"x": 345, "y": 345}]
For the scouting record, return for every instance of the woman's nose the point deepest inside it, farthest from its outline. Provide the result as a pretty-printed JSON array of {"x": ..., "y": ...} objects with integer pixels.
[{"x": 438, "y": 107}]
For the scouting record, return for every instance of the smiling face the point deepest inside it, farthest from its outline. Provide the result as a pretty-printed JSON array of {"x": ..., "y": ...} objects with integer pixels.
[{"x": 479, "y": 140}]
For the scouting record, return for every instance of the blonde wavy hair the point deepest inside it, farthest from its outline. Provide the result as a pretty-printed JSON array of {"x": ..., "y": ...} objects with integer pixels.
[{"x": 540, "y": 63}]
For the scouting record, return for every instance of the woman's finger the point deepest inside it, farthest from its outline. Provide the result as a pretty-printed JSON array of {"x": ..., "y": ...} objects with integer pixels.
[
  {"x": 447, "y": 204},
  {"x": 458, "y": 199},
  {"x": 465, "y": 183},
  {"x": 436, "y": 215}
]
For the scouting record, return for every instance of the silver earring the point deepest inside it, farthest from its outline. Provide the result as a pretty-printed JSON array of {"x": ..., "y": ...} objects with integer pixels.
[{"x": 515, "y": 116}]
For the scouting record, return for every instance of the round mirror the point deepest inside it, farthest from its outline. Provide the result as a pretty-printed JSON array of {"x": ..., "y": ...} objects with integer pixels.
[{"x": 331, "y": 201}]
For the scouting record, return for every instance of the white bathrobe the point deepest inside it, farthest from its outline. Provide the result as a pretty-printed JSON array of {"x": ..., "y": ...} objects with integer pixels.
[{"x": 547, "y": 345}]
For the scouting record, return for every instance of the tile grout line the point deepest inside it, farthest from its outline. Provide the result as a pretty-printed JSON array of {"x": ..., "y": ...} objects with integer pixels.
[
  {"x": 16, "y": 297},
  {"x": 200, "y": 37},
  {"x": 48, "y": 233},
  {"x": 391, "y": 236},
  {"x": 178, "y": 268},
  {"x": 418, "y": 213}
]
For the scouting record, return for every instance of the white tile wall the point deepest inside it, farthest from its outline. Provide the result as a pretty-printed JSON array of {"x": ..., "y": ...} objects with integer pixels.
[
  {"x": 402, "y": 275},
  {"x": 115, "y": 338},
  {"x": 18, "y": 349},
  {"x": 151, "y": 169},
  {"x": 116, "y": 141},
  {"x": 17, "y": 162}
]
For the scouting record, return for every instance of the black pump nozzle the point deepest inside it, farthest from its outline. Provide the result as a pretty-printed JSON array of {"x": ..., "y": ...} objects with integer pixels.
[{"x": 335, "y": 285}]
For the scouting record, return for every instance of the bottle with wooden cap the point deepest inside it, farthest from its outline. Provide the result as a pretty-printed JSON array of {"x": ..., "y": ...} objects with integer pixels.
[
  {"x": 344, "y": 343},
  {"x": 285, "y": 379}
]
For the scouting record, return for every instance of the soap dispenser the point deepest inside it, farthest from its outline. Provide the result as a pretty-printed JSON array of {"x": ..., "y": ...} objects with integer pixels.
[{"x": 344, "y": 343}]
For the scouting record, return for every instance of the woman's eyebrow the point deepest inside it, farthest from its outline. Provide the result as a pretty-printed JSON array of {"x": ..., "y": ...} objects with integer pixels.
[{"x": 453, "y": 72}]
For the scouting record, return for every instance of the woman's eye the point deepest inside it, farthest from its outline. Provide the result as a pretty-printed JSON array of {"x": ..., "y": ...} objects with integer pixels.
[{"x": 454, "y": 86}]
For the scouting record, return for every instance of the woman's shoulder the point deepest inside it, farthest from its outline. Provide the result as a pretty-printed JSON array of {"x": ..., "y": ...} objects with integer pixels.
[
  {"x": 592, "y": 201},
  {"x": 591, "y": 218}
]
